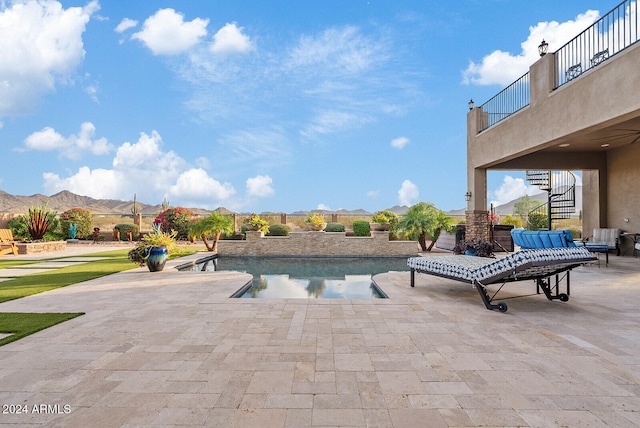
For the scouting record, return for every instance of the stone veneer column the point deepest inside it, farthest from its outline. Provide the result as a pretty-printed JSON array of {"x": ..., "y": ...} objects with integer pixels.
[{"x": 477, "y": 224}]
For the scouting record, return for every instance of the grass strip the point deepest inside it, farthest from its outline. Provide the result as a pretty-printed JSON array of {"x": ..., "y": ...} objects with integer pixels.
[
  {"x": 114, "y": 261},
  {"x": 110, "y": 262},
  {"x": 20, "y": 324},
  {"x": 6, "y": 263}
]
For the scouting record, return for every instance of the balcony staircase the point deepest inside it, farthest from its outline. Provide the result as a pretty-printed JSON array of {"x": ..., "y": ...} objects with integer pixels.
[{"x": 561, "y": 201}]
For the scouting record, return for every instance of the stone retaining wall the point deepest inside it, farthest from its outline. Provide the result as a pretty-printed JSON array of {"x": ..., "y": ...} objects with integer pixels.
[
  {"x": 318, "y": 244},
  {"x": 40, "y": 247}
]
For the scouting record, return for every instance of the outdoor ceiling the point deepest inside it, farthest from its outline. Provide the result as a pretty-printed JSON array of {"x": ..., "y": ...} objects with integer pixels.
[{"x": 595, "y": 138}]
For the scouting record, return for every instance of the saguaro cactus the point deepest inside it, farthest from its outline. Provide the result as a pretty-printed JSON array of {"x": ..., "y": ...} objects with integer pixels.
[{"x": 134, "y": 209}]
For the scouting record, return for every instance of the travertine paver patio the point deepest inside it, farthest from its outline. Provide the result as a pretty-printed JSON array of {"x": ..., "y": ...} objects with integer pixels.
[{"x": 171, "y": 349}]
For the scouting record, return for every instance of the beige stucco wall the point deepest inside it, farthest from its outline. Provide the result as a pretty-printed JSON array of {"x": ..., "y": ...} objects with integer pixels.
[
  {"x": 318, "y": 244},
  {"x": 601, "y": 97}
]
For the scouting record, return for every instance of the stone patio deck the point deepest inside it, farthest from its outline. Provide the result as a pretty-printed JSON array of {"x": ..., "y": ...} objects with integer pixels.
[{"x": 170, "y": 348}]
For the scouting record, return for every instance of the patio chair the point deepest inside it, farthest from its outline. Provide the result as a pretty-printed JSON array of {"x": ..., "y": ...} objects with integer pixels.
[
  {"x": 603, "y": 236},
  {"x": 7, "y": 243},
  {"x": 537, "y": 264}
]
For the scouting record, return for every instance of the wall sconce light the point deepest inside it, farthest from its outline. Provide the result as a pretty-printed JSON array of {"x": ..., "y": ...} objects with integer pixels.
[
  {"x": 543, "y": 48},
  {"x": 471, "y": 104},
  {"x": 467, "y": 196}
]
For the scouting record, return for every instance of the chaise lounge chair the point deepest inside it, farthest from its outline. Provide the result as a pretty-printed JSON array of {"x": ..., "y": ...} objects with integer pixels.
[
  {"x": 556, "y": 255},
  {"x": 7, "y": 244}
]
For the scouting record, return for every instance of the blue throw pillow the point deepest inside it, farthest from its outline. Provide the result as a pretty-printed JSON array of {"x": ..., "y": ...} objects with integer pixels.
[
  {"x": 516, "y": 234},
  {"x": 557, "y": 239},
  {"x": 537, "y": 240},
  {"x": 528, "y": 240},
  {"x": 567, "y": 235},
  {"x": 545, "y": 237}
]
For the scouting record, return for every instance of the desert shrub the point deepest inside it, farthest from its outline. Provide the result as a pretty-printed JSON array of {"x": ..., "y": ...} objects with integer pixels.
[
  {"x": 19, "y": 229},
  {"x": 123, "y": 227},
  {"x": 81, "y": 218},
  {"x": 175, "y": 219},
  {"x": 234, "y": 236},
  {"x": 361, "y": 228},
  {"x": 279, "y": 230},
  {"x": 385, "y": 216},
  {"x": 334, "y": 227},
  {"x": 510, "y": 220},
  {"x": 53, "y": 235},
  {"x": 538, "y": 221}
]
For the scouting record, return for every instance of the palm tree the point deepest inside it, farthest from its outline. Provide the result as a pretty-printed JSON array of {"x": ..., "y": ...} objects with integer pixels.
[
  {"x": 212, "y": 226},
  {"x": 424, "y": 220}
]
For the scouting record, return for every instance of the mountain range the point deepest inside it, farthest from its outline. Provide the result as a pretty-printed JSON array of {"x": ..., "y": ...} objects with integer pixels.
[{"x": 66, "y": 200}]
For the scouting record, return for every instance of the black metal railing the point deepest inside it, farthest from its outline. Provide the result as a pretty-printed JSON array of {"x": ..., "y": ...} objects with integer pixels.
[
  {"x": 511, "y": 99},
  {"x": 612, "y": 33},
  {"x": 561, "y": 198}
]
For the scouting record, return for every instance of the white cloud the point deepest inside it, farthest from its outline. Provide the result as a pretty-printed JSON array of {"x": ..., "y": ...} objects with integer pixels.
[
  {"x": 146, "y": 169},
  {"x": 72, "y": 147},
  {"x": 166, "y": 32},
  {"x": 230, "y": 39},
  {"x": 373, "y": 193},
  {"x": 97, "y": 183},
  {"x": 341, "y": 48},
  {"x": 125, "y": 24},
  {"x": 40, "y": 46},
  {"x": 92, "y": 91},
  {"x": 333, "y": 121},
  {"x": 502, "y": 68},
  {"x": 263, "y": 148},
  {"x": 323, "y": 207},
  {"x": 399, "y": 143},
  {"x": 203, "y": 162},
  {"x": 195, "y": 184},
  {"x": 260, "y": 186},
  {"x": 510, "y": 189},
  {"x": 408, "y": 193}
]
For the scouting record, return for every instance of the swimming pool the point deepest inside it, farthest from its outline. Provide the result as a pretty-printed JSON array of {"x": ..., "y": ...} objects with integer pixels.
[{"x": 305, "y": 277}]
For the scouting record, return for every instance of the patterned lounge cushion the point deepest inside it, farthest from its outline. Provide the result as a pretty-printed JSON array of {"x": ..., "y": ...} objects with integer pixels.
[{"x": 482, "y": 269}]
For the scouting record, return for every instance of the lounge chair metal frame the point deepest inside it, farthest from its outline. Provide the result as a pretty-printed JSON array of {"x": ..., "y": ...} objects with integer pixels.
[{"x": 540, "y": 265}]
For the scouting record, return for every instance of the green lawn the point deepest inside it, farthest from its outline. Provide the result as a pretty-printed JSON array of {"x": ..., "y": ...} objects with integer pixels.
[
  {"x": 20, "y": 325},
  {"x": 114, "y": 261}
]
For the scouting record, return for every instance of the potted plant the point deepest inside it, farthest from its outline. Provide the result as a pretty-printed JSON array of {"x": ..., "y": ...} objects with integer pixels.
[
  {"x": 383, "y": 220},
  {"x": 154, "y": 250},
  {"x": 315, "y": 221},
  {"x": 254, "y": 222},
  {"x": 474, "y": 247}
]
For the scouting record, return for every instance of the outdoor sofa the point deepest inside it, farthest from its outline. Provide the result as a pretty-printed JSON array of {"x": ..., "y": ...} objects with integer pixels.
[{"x": 542, "y": 255}]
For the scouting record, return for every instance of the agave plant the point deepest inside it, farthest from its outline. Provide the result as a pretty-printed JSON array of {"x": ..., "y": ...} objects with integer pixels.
[{"x": 40, "y": 220}]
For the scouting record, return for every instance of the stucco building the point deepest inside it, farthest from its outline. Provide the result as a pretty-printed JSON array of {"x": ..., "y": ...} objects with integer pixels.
[{"x": 578, "y": 109}]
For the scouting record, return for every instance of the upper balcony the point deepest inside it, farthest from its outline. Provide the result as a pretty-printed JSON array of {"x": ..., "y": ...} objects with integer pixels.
[{"x": 607, "y": 37}]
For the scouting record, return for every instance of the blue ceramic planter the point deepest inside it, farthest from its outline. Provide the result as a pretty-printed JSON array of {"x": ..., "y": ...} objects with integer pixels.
[{"x": 157, "y": 257}]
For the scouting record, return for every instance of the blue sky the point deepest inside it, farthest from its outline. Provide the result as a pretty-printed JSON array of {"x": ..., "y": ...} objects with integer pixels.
[{"x": 262, "y": 106}]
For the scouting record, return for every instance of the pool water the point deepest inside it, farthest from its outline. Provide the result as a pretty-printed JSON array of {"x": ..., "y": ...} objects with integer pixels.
[{"x": 317, "y": 277}]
